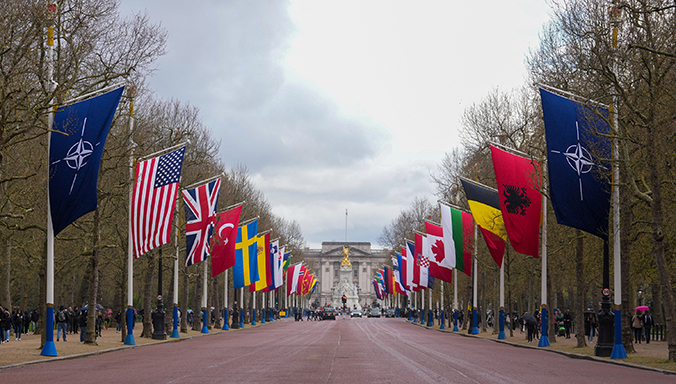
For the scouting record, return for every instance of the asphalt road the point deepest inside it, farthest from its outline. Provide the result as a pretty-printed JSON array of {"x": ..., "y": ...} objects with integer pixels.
[{"x": 341, "y": 351}]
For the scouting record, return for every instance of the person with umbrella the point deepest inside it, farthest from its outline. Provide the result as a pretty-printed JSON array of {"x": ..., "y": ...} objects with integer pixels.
[
  {"x": 531, "y": 322},
  {"x": 637, "y": 325}
]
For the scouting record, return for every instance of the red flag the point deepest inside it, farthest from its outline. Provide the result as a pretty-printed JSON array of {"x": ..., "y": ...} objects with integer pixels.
[
  {"x": 520, "y": 201},
  {"x": 224, "y": 239}
]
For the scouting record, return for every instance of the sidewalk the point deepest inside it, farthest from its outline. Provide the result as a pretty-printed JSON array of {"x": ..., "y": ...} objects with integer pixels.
[
  {"x": 28, "y": 349},
  {"x": 652, "y": 355}
]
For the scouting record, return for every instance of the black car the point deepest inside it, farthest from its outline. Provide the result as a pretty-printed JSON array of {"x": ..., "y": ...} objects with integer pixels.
[{"x": 329, "y": 314}]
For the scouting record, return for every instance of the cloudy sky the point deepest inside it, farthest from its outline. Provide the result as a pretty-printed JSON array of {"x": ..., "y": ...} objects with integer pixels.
[{"x": 336, "y": 105}]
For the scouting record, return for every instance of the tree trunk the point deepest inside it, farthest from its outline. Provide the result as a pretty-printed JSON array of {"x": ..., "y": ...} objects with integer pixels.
[
  {"x": 8, "y": 274},
  {"x": 658, "y": 244},
  {"x": 90, "y": 334},
  {"x": 169, "y": 303},
  {"x": 580, "y": 290},
  {"x": 148, "y": 296}
]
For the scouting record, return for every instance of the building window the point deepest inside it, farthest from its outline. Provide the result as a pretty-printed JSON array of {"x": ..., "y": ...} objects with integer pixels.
[
  {"x": 335, "y": 273},
  {"x": 356, "y": 273}
]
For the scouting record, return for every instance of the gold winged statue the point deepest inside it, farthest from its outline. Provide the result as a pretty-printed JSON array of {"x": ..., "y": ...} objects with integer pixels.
[{"x": 346, "y": 257}]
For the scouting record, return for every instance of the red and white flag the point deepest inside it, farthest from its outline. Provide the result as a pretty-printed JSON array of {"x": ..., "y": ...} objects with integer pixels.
[
  {"x": 224, "y": 239},
  {"x": 434, "y": 249},
  {"x": 154, "y": 199}
]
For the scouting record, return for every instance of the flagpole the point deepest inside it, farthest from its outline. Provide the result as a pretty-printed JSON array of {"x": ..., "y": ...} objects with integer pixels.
[
  {"x": 544, "y": 337},
  {"x": 619, "y": 351},
  {"x": 430, "y": 315},
  {"x": 49, "y": 349},
  {"x": 253, "y": 309},
  {"x": 129, "y": 339},
  {"x": 241, "y": 308},
  {"x": 226, "y": 327},
  {"x": 205, "y": 329},
  {"x": 475, "y": 329},
  {"x": 442, "y": 317},
  {"x": 174, "y": 331},
  {"x": 455, "y": 300},
  {"x": 501, "y": 334}
]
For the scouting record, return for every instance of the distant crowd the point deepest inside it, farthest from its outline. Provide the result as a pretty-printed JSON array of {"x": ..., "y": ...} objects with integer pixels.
[{"x": 16, "y": 323}]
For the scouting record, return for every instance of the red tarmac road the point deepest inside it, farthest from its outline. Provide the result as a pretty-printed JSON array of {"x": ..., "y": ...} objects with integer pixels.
[{"x": 341, "y": 351}]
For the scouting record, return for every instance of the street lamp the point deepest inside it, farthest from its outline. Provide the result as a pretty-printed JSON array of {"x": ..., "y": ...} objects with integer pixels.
[{"x": 639, "y": 295}]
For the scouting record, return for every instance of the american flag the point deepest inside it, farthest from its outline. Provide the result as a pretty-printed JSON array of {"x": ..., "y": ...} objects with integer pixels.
[
  {"x": 200, "y": 210},
  {"x": 153, "y": 200}
]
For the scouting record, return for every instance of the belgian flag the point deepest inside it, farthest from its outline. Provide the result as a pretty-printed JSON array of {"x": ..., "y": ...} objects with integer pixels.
[{"x": 485, "y": 206}]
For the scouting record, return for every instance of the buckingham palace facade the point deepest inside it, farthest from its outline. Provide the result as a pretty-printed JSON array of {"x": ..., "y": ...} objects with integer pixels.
[{"x": 326, "y": 264}]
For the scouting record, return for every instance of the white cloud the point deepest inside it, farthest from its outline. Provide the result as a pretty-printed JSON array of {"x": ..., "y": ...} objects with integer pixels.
[{"x": 335, "y": 105}]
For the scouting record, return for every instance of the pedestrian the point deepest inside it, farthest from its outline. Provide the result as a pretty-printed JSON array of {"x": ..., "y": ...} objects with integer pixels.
[
  {"x": 567, "y": 322},
  {"x": 61, "y": 322},
  {"x": 35, "y": 316},
  {"x": 637, "y": 325},
  {"x": 18, "y": 324},
  {"x": 118, "y": 321},
  {"x": 530, "y": 326},
  {"x": 82, "y": 323},
  {"x": 591, "y": 325},
  {"x": 74, "y": 320},
  {"x": 647, "y": 325},
  {"x": 2, "y": 325}
]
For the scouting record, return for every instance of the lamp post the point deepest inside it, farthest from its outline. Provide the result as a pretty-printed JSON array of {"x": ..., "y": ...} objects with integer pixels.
[{"x": 639, "y": 296}]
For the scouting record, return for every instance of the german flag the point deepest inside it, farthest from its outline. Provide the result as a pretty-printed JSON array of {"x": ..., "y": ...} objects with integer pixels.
[{"x": 485, "y": 206}]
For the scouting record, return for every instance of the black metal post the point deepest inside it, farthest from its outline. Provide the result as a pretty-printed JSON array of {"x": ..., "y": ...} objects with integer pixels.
[
  {"x": 606, "y": 339},
  {"x": 159, "y": 333}
]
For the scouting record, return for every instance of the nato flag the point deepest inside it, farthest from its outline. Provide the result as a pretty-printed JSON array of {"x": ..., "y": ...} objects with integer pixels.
[
  {"x": 75, "y": 151},
  {"x": 578, "y": 168}
]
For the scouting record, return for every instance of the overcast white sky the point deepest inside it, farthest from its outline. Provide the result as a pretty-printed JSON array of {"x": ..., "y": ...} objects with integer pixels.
[{"x": 336, "y": 105}]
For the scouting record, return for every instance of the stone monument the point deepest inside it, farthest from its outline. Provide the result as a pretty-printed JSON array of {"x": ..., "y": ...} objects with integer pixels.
[{"x": 345, "y": 286}]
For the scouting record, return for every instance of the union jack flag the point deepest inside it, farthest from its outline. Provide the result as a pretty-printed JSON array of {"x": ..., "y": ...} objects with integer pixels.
[{"x": 200, "y": 210}]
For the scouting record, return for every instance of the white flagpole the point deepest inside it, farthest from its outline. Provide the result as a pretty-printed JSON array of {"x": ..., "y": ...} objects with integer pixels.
[
  {"x": 129, "y": 340},
  {"x": 619, "y": 351},
  {"x": 442, "y": 314},
  {"x": 205, "y": 311},
  {"x": 544, "y": 315},
  {"x": 49, "y": 349},
  {"x": 174, "y": 331},
  {"x": 253, "y": 309},
  {"x": 501, "y": 333},
  {"x": 225, "y": 303},
  {"x": 475, "y": 329}
]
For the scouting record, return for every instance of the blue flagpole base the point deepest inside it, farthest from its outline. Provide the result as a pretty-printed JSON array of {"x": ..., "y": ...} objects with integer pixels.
[
  {"x": 253, "y": 318},
  {"x": 430, "y": 319},
  {"x": 544, "y": 337},
  {"x": 204, "y": 321},
  {"x": 129, "y": 340},
  {"x": 544, "y": 341},
  {"x": 442, "y": 325},
  {"x": 501, "y": 335},
  {"x": 226, "y": 327},
  {"x": 49, "y": 349},
  {"x": 174, "y": 330},
  {"x": 618, "y": 352},
  {"x": 475, "y": 330},
  {"x": 455, "y": 328},
  {"x": 455, "y": 322},
  {"x": 263, "y": 316},
  {"x": 618, "y": 349}
]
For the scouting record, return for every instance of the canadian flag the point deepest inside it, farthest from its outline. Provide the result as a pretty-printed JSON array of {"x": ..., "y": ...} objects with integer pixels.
[{"x": 436, "y": 253}]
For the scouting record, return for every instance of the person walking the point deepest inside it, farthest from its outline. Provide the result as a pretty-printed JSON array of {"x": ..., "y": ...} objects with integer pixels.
[
  {"x": 18, "y": 324},
  {"x": 2, "y": 325},
  {"x": 637, "y": 325},
  {"x": 647, "y": 325},
  {"x": 593, "y": 326},
  {"x": 82, "y": 322},
  {"x": 61, "y": 322}
]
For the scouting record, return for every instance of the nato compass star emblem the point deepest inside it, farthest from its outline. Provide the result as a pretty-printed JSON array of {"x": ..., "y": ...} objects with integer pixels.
[
  {"x": 579, "y": 158},
  {"x": 77, "y": 155}
]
